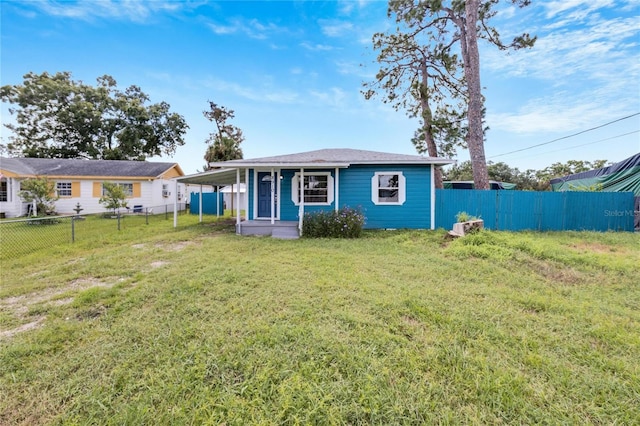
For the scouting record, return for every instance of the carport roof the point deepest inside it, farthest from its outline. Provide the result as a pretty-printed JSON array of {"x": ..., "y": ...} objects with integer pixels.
[{"x": 217, "y": 177}]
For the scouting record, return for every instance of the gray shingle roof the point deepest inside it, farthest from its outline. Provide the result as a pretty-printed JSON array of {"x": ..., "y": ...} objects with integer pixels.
[
  {"x": 75, "y": 167},
  {"x": 338, "y": 156}
]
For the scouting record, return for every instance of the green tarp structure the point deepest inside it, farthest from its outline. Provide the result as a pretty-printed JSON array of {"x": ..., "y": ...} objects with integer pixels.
[
  {"x": 620, "y": 177},
  {"x": 468, "y": 184}
]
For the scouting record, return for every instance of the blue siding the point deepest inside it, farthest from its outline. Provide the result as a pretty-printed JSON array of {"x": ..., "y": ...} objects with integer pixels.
[
  {"x": 542, "y": 211},
  {"x": 355, "y": 191}
]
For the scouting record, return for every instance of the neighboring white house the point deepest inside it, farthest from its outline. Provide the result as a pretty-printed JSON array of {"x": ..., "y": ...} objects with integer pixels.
[
  {"x": 230, "y": 197},
  {"x": 81, "y": 181}
]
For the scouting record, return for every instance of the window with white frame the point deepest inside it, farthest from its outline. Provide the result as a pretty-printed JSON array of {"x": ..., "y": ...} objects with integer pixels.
[
  {"x": 317, "y": 186},
  {"x": 388, "y": 188},
  {"x": 126, "y": 187},
  {"x": 4, "y": 190},
  {"x": 63, "y": 189}
]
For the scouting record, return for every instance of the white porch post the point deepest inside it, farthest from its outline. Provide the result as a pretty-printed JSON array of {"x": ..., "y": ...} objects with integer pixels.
[
  {"x": 433, "y": 199},
  {"x": 301, "y": 201},
  {"x": 336, "y": 190},
  {"x": 175, "y": 205},
  {"x": 246, "y": 194},
  {"x": 200, "y": 204},
  {"x": 238, "y": 194},
  {"x": 217, "y": 201},
  {"x": 273, "y": 197}
]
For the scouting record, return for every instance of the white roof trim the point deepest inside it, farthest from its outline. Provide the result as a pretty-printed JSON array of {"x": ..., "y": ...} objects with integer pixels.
[
  {"x": 281, "y": 165},
  {"x": 218, "y": 177}
]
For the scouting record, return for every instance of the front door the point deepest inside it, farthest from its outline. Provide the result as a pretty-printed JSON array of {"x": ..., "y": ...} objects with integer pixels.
[{"x": 264, "y": 193}]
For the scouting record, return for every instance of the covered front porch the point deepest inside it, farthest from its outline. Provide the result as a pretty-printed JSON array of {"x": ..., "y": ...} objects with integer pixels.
[{"x": 262, "y": 217}]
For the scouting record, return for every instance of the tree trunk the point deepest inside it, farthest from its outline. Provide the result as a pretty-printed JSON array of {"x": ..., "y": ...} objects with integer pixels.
[
  {"x": 471, "y": 60},
  {"x": 432, "y": 149}
]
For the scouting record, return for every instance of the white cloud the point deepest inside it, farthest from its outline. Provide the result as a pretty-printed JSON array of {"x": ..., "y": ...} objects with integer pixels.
[
  {"x": 348, "y": 6},
  {"x": 133, "y": 10},
  {"x": 255, "y": 93},
  {"x": 353, "y": 68},
  {"x": 249, "y": 27},
  {"x": 316, "y": 47},
  {"x": 334, "y": 97},
  {"x": 605, "y": 49},
  {"x": 333, "y": 28},
  {"x": 557, "y": 7},
  {"x": 223, "y": 29},
  {"x": 584, "y": 67},
  {"x": 562, "y": 112}
]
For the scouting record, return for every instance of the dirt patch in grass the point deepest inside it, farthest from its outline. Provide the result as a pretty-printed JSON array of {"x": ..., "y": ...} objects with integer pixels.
[
  {"x": 24, "y": 327},
  {"x": 19, "y": 305},
  {"x": 559, "y": 274},
  {"x": 174, "y": 246},
  {"x": 158, "y": 264},
  {"x": 595, "y": 248}
]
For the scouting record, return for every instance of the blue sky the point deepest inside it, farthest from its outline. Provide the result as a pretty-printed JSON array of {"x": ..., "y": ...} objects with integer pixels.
[{"x": 292, "y": 71}]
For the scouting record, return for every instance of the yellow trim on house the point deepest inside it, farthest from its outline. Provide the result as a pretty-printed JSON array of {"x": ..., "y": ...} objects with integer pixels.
[
  {"x": 105, "y": 178},
  {"x": 6, "y": 173},
  {"x": 75, "y": 189},
  {"x": 174, "y": 171}
]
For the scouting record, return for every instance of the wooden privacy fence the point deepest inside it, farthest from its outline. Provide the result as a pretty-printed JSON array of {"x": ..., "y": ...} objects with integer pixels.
[{"x": 541, "y": 211}]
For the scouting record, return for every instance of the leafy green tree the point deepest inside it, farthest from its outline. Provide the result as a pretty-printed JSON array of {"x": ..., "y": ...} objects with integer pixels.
[
  {"x": 114, "y": 196},
  {"x": 224, "y": 143},
  {"x": 454, "y": 27},
  {"x": 57, "y": 117},
  {"x": 41, "y": 191},
  {"x": 558, "y": 169}
]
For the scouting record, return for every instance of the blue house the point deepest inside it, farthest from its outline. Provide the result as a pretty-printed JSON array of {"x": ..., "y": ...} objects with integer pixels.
[{"x": 392, "y": 190}]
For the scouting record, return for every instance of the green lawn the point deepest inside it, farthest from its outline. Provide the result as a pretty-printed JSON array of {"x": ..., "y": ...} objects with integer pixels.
[{"x": 200, "y": 326}]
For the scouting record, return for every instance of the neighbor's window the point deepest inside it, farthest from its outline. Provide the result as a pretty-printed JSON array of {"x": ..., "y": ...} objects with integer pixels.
[
  {"x": 127, "y": 187},
  {"x": 4, "y": 193},
  {"x": 318, "y": 188},
  {"x": 388, "y": 188},
  {"x": 63, "y": 189}
]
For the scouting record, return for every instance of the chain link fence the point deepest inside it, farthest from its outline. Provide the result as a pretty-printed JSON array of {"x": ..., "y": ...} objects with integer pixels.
[{"x": 22, "y": 236}]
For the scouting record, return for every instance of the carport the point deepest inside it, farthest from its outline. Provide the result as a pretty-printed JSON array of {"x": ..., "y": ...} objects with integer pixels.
[{"x": 216, "y": 178}]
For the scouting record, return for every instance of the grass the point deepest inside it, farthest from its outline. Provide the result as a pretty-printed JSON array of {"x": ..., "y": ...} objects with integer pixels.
[{"x": 200, "y": 326}]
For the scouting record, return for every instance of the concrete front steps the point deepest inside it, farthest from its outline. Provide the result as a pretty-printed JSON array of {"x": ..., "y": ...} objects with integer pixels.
[{"x": 287, "y": 230}]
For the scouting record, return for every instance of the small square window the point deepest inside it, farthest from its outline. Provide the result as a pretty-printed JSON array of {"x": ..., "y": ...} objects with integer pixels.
[
  {"x": 317, "y": 187},
  {"x": 63, "y": 189},
  {"x": 388, "y": 188}
]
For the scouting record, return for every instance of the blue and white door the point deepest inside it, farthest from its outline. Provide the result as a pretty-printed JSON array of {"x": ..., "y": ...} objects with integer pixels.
[{"x": 265, "y": 186}]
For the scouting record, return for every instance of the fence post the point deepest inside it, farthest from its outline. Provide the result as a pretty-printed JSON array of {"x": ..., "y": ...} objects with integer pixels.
[
  {"x": 118, "y": 214},
  {"x": 146, "y": 215},
  {"x": 73, "y": 229},
  {"x": 166, "y": 211}
]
